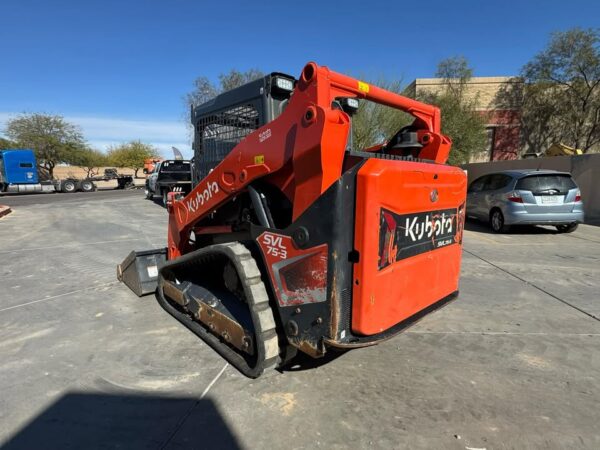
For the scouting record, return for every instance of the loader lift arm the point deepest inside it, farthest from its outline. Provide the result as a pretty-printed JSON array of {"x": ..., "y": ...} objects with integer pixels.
[{"x": 301, "y": 152}]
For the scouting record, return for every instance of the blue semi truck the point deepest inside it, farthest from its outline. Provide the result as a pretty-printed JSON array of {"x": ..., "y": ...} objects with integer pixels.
[{"x": 18, "y": 174}]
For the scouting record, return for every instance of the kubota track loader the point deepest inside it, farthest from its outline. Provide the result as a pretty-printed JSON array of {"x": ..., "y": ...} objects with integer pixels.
[{"x": 292, "y": 238}]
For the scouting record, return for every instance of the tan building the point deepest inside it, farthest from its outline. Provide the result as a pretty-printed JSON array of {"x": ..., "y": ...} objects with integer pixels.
[{"x": 493, "y": 97}]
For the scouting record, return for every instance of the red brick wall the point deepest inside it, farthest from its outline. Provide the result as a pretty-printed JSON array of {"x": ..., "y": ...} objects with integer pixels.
[{"x": 507, "y": 133}]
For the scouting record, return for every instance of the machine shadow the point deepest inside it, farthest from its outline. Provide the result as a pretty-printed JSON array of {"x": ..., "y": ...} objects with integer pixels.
[
  {"x": 481, "y": 227},
  {"x": 101, "y": 421},
  {"x": 302, "y": 361}
]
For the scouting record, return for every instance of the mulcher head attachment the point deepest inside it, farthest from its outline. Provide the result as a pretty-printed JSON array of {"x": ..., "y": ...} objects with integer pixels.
[{"x": 139, "y": 271}]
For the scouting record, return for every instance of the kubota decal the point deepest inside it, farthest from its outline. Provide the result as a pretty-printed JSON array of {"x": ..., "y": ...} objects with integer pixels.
[
  {"x": 202, "y": 197},
  {"x": 402, "y": 236}
]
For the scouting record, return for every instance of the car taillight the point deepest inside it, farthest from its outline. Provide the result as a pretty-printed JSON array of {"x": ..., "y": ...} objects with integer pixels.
[
  {"x": 578, "y": 196},
  {"x": 515, "y": 197}
]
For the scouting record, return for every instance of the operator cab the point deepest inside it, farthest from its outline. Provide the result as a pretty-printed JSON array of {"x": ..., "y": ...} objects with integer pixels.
[{"x": 221, "y": 123}]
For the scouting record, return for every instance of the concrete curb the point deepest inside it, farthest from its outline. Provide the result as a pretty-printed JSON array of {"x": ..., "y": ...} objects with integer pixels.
[{"x": 4, "y": 210}]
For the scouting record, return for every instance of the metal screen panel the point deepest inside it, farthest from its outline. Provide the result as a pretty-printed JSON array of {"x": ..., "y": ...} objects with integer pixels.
[{"x": 220, "y": 132}]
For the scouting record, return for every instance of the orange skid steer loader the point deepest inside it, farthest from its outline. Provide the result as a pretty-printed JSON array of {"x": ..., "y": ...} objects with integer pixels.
[{"x": 291, "y": 238}]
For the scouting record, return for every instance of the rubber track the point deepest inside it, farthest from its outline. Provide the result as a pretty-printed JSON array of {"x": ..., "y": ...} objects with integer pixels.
[{"x": 267, "y": 344}]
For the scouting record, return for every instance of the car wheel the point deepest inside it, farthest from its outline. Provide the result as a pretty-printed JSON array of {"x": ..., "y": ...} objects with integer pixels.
[
  {"x": 149, "y": 194},
  {"x": 68, "y": 186},
  {"x": 87, "y": 186},
  {"x": 568, "y": 228},
  {"x": 497, "y": 222}
]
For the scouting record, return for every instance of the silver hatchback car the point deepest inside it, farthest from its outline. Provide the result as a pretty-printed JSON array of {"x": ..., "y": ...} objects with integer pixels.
[{"x": 526, "y": 197}]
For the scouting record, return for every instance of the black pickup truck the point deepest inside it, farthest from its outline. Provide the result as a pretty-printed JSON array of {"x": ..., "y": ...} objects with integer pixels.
[{"x": 168, "y": 175}]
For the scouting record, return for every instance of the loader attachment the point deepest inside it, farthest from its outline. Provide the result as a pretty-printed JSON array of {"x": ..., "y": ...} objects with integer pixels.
[{"x": 139, "y": 271}]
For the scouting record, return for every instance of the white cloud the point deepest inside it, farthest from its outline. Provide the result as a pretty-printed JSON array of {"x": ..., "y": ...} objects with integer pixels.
[{"x": 102, "y": 132}]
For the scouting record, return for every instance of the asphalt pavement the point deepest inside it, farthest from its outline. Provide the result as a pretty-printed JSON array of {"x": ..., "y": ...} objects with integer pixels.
[{"x": 512, "y": 363}]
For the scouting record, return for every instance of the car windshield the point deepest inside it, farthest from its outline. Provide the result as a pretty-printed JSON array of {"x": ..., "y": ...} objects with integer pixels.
[{"x": 547, "y": 183}]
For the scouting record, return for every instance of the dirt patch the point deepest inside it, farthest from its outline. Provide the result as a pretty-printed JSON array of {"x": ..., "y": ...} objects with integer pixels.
[
  {"x": 4, "y": 210},
  {"x": 284, "y": 401}
]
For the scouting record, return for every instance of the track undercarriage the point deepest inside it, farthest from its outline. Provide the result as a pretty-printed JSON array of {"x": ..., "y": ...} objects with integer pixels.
[{"x": 217, "y": 292}]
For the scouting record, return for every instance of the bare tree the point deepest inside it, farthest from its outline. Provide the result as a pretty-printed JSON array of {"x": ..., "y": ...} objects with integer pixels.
[
  {"x": 204, "y": 90},
  {"x": 235, "y": 78}
]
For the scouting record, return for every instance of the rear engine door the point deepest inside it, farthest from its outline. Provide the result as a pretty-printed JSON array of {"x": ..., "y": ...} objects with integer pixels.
[{"x": 408, "y": 234}]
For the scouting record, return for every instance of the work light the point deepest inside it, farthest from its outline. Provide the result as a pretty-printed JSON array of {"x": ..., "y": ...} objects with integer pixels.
[
  {"x": 284, "y": 84},
  {"x": 352, "y": 103},
  {"x": 349, "y": 105}
]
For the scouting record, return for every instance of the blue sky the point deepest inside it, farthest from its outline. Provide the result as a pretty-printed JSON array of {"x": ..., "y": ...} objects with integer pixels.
[{"x": 119, "y": 69}]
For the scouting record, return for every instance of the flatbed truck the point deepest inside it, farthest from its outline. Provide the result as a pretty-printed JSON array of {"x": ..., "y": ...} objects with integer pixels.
[{"x": 19, "y": 175}]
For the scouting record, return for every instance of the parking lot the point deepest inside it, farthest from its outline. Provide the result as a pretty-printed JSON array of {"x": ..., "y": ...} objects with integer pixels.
[{"x": 512, "y": 363}]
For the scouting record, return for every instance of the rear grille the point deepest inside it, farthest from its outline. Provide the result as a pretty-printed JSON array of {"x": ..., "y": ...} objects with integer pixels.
[{"x": 218, "y": 133}]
